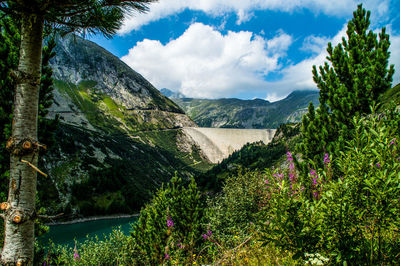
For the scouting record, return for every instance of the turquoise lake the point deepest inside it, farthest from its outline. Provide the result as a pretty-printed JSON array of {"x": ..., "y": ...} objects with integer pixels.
[{"x": 66, "y": 234}]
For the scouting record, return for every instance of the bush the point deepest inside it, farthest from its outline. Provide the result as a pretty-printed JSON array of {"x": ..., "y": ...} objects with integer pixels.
[
  {"x": 170, "y": 228},
  {"x": 233, "y": 212}
]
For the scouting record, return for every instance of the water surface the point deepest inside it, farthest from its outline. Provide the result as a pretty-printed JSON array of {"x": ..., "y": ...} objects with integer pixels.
[{"x": 65, "y": 234}]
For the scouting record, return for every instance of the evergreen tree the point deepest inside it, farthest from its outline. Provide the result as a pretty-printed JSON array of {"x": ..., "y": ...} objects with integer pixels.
[
  {"x": 104, "y": 16},
  {"x": 357, "y": 73}
]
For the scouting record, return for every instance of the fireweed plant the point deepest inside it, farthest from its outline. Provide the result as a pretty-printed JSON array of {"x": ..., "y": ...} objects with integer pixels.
[{"x": 351, "y": 218}]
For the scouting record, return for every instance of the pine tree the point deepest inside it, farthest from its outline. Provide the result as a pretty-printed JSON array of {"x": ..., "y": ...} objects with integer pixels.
[
  {"x": 357, "y": 73},
  {"x": 104, "y": 16}
]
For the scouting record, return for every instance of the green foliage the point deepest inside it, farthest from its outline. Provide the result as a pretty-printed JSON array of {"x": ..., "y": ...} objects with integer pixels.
[
  {"x": 287, "y": 219},
  {"x": 114, "y": 250},
  {"x": 357, "y": 74},
  {"x": 170, "y": 226},
  {"x": 9, "y": 50},
  {"x": 362, "y": 207},
  {"x": 234, "y": 211},
  {"x": 351, "y": 217}
]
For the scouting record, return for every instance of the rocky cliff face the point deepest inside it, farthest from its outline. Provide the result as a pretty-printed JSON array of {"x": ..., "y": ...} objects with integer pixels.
[{"x": 88, "y": 76}]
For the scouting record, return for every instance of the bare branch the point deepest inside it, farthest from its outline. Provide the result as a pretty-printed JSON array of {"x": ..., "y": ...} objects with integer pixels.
[{"x": 34, "y": 167}]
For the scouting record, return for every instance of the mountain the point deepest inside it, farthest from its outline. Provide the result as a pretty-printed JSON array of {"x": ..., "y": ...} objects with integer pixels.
[
  {"x": 118, "y": 139},
  {"x": 171, "y": 94},
  {"x": 257, "y": 113}
]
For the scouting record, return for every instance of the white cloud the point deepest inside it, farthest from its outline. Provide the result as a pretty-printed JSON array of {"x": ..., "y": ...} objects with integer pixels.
[
  {"x": 244, "y": 9},
  {"x": 204, "y": 63},
  {"x": 315, "y": 44},
  {"x": 395, "y": 57}
]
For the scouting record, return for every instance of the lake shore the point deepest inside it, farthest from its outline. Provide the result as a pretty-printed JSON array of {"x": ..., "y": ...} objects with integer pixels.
[{"x": 93, "y": 218}]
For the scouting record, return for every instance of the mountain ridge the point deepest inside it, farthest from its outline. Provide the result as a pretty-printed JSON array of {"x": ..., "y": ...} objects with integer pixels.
[{"x": 256, "y": 113}]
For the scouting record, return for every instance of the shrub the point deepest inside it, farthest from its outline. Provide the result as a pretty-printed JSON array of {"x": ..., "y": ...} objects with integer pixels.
[
  {"x": 170, "y": 228},
  {"x": 234, "y": 210}
]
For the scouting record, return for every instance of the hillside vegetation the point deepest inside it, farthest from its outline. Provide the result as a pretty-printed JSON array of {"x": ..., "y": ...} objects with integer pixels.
[{"x": 258, "y": 113}]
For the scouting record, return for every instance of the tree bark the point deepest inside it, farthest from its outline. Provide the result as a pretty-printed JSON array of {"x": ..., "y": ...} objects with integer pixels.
[{"x": 19, "y": 217}]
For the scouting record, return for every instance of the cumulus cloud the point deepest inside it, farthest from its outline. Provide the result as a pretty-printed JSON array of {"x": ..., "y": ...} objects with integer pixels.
[
  {"x": 204, "y": 63},
  {"x": 244, "y": 9}
]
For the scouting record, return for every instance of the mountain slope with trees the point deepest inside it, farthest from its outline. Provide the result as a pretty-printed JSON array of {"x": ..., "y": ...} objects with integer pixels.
[{"x": 257, "y": 113}]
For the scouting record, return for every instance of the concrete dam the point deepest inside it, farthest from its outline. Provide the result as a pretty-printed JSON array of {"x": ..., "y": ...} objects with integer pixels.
[{"x": 218, "y": 143}]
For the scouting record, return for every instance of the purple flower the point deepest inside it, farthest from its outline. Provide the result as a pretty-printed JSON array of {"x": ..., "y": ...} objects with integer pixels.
[
  {"x": 378, "y": 165},
  {"x": 209, "y": 233},
  {"x": 392, "y": 142},
  {"x": 180, "y": 245},
  {"x": 166, "y": 256},
  {"x": 170, "y": 223},
  {"x": 204, "y": 236},
  {"x": 314, "y": 176},
  {"x": 326, "y": 159},
  {"x": 314, "y": 180},
  {"x": 76, "y": 255},
  {"x": 289, "y": 156}
]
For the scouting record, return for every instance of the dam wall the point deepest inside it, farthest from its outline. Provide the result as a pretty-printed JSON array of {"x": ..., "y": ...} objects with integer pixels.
[{"x": 218, "y": 143}]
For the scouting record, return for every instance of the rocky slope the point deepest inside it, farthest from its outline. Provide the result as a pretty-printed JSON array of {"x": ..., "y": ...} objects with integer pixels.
[
  {"x": 236, "y": 113},
  {"x": 118, "y": 138}
]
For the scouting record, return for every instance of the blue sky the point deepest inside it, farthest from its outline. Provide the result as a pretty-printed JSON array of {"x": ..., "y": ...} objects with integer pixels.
[{"x": 241, "y": 48}]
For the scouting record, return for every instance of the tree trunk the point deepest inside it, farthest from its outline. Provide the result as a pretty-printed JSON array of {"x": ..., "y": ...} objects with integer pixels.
[{"x": 20, "y": 211}]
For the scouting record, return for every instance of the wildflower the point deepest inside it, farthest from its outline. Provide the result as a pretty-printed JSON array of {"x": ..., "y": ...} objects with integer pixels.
[
  {"x": 166, "y": 257},
  {"x": 180, "y": 245},
  {"x": 170, "y": 223},
  {"x": 313, "y": 173},
  {"x": 392, "y": 142},
  {"x": 209, "y": 233},
  {"x": 289, "y": 156},
  {"x": 76, "y": 255},
  {"x": 204, "y": 236},
  {"x": 378, "y": 165},
  {"x": 326, "y": 159}
]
